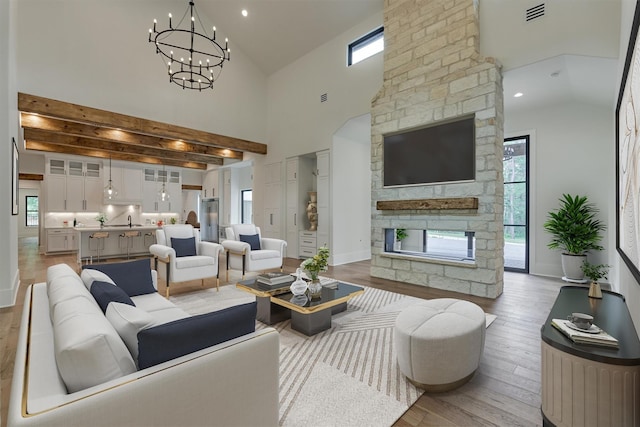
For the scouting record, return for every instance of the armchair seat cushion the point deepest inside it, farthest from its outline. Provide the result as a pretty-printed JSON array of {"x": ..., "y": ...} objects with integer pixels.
[
  {"x": 194, "y": 261},
  {"x": 264, "y": 254}
]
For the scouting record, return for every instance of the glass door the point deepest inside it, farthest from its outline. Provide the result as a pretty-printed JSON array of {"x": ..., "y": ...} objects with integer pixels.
[{"x": 516, "y": 204}]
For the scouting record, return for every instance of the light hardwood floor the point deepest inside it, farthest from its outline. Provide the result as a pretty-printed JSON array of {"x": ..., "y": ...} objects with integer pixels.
[{"x": 505, "y": 390}]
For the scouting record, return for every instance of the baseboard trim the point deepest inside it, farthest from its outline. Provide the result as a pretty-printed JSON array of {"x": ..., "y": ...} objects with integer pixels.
[
  {"x": 9, "y": 296},
  {"x": 339, "y": 259}
]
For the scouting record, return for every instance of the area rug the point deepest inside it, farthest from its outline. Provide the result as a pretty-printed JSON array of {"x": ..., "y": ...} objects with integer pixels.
[{"x": 345, "y": 376}]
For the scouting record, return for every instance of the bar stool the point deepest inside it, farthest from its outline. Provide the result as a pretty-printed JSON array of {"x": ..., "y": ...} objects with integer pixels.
[
  {"x": 129, "y": 235},
  {"x": 98, "y": 235}
]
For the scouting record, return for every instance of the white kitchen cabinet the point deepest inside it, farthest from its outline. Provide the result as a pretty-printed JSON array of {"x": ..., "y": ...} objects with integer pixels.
[
  {"x": 73, "y": 186},
  {"x": 128, "y": 181},
  {"x": 61, "y": 240},
  {"x": 308, "y": 244},
  {"x": 153, "y": 179}
]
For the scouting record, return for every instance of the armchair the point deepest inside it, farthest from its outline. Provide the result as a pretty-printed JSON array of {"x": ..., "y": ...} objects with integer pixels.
[
  {"x": 247, "y": 250},
  {"x": 186, "y": 257}
]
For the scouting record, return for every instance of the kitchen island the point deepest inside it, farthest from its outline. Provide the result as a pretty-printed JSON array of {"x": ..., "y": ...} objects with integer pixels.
[{"x": 120, "y": 241}]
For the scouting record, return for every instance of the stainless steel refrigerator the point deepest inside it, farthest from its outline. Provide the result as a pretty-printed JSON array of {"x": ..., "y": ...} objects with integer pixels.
[{"x": 209, "y": 220}]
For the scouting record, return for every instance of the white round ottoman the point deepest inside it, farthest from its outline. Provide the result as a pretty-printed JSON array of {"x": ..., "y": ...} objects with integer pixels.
[{"x": 439, "y": 342}]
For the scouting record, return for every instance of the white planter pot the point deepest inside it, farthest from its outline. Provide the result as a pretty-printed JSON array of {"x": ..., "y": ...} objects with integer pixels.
[{"x": 571, "y": 267}]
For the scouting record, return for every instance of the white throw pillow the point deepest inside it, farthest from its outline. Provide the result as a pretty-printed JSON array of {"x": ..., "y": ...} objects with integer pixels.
[
  {"x": 89, "y": 275},
  {"x": 128, "y": 320},
  {"x": 88, "y": 350}
]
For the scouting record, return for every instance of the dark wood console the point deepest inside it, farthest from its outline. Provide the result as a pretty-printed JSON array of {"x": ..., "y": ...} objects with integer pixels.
[{"x": 590, "y": 385}]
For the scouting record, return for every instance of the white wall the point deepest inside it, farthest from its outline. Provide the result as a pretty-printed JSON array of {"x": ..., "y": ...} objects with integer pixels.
[
  {"x": 571, "y": 152},
  {"x": 96, "y": 53},
  {"x": 9, "y": 273},
  {"x": 622, "y": 279},
  {"x": 351, "y": 192},
  {"x": 298, "y": 123}
]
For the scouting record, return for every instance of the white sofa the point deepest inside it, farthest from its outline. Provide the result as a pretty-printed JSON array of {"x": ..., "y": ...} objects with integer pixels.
[{"x": 231, "y": 383}]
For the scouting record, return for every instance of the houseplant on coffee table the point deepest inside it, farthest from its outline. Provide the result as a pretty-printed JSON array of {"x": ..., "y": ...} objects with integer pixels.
[
  {"x": 575, "y": 230},
  {"x": 314, "y": 266}
]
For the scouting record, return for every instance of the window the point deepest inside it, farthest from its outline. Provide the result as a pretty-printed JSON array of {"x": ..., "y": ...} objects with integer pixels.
[
  {"x": 366, "y": 46},
  {"x": 247, "y": 206},
  {"x": 515, "y": 162},
  {"x": 31, "y": 202}
]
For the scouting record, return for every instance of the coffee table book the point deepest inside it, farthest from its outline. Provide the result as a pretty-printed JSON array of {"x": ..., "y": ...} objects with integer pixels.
[
  {"x": 601, "y": 338},
  {"x": 275, "y": 278}
]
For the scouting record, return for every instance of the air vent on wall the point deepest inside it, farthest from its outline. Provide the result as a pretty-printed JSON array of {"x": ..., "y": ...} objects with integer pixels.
[
  {"x": 534, "y": 12},
  {"x": 323, "y": 97}
]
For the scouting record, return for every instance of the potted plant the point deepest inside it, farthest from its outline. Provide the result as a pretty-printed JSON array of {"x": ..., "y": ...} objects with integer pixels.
[
  {"x": 575, "y": 230},
  {"x": 595, "y": 272},
  {"x": 401, "y": 233}
]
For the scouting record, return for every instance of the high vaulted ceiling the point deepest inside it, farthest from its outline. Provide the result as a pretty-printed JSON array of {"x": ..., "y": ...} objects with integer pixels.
[{"x": 569, "y": 52}]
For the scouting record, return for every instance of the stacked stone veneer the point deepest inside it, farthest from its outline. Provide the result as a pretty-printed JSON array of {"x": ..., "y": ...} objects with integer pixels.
[{"x": 433, "y": 72}]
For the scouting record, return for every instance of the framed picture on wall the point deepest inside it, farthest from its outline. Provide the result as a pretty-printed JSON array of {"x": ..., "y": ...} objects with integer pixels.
[
  {"x": 14, "y": 178},
  {"x": 628, "y": 156}
]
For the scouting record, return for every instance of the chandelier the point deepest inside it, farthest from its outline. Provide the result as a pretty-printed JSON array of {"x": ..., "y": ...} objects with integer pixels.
[{"x": 194, "y": 59}]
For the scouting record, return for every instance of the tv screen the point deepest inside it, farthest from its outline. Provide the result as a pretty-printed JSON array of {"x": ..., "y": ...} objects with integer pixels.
[{"x": 436, "y": 154}]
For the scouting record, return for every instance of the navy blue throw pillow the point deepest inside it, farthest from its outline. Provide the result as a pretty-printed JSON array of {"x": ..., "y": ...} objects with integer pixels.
[
  {"x": 184, "y": 247},
  {"x": 134, "y": 277},
  {"x": 174, "y": 339},
  {"x": 105, "y": 292},
  {"x": 251, "y": 239}
]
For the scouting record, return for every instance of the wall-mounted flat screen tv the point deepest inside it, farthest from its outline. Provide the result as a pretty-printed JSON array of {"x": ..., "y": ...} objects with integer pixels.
[{"x": 443, "y": 152}]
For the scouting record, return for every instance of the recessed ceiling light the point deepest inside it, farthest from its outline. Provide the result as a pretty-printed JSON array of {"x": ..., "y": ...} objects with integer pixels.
[
  {"x": 245, "y": 13},
  {"x": 518, "y": 94}
]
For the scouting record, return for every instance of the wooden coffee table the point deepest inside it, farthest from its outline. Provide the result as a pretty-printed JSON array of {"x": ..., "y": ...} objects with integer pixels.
[{"x": 308, "y": 315}]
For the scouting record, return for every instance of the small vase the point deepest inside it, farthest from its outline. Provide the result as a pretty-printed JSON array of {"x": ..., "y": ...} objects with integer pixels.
[
  {"x": 595, "y": 291},
  {"x": 315, "y": 288},
  {"x": 299, "y": 286}
]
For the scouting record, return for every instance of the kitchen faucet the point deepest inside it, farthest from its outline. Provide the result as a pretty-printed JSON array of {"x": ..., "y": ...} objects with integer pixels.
[{"x": 129, "y": 219}]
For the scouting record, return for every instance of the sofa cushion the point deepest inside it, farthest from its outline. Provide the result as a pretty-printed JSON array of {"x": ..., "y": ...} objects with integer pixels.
[
  {"x": 264, "y": 254},
  {"x": 195, "y": 261},
  {"x": 63, "y": 285},
  {"x": 184, "y": 247},
  {"x": 88, "y": 350},
  {"x": 252, "y": 239},
  {"x": 132, "y": 276},
  {"x": 105, "y": 292},
  {"x": 161, "y": 343},
  {"x": 127, "y": 320},
  {"x": 89, "y": 275}
]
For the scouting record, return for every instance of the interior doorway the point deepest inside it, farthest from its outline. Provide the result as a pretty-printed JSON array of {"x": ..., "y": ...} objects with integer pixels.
[{"x": 516, "y": 204}]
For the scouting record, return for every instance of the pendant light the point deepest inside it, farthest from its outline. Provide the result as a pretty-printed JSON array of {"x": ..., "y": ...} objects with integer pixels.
[
  {"x": 110, "y": 192},
  {"x": 163, "y": 195}
]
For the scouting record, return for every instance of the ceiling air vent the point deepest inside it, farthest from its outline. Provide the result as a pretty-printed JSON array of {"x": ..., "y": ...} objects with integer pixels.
[
  {"x": 323, "y": 97},
  {"x": 534, "y": 12}
]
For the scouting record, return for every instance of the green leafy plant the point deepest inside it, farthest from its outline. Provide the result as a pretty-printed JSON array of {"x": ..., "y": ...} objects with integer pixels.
[
  {"x": 173, "y": 220},
  {"x": 316, "y": 263},
  {"x": 401, "y": 233},
  {"x": 102, "y": 218},
  {"x": 595, "y": 272},
  {"x": 574, "y": 226}
]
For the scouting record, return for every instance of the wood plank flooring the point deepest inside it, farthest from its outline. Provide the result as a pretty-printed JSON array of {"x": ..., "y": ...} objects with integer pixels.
[{"x": 505, "y": 390}]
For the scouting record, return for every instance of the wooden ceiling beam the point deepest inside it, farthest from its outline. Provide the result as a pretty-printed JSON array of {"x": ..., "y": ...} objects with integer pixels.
[
  {"x": 34, "y": 121},
  {"x": 54, "y": 148},
  {"x": 96, "y": 144},
  {"x": 79, "y": 113}
]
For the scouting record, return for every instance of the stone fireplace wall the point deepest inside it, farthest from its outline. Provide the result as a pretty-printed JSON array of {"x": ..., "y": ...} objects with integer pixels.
[{"x": 433, "y": 72}]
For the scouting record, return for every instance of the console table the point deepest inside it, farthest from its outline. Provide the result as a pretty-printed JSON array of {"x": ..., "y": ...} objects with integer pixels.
[{"x": 584, "y": 385}]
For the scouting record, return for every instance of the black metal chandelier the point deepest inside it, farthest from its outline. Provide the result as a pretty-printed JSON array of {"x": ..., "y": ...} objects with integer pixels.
[{"x": 194, "y": 59}]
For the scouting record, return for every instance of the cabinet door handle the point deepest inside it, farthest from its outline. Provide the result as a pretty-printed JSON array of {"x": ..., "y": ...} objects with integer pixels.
[
  {"x": 294, "y": 218},
  {"x": 270, "y": 219}
]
